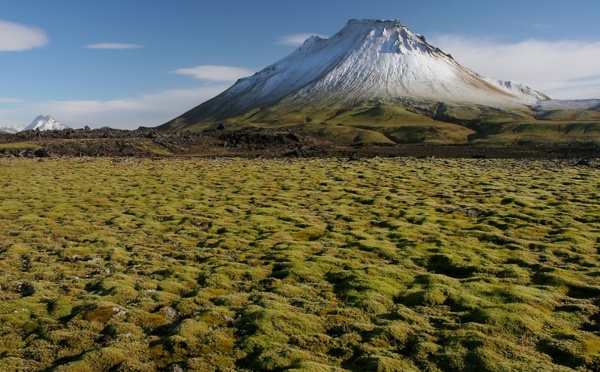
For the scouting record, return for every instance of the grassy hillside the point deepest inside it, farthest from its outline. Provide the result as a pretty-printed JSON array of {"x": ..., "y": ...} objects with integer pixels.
[
  {"x": 400, "y": 125},
  {"x": 424, "y": 122},
  {"x": 304, "y": 265},
  {"x": 570, "y": 115},
  {"x": 538, "y": 133}
]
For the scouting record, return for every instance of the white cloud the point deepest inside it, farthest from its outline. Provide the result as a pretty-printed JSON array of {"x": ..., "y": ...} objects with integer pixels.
[
  {"x": 215, "y": 73},
  {"x": 148, "y": 110},
  {"x": 16, "y": 37},
  {"x": 563, "y": 69},
  {"x": 113, "y": 46},
  {"x": 10, "y": 100},
  {"x": 296, "y": 39}
]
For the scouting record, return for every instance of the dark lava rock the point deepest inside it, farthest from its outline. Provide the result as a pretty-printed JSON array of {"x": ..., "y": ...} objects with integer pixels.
[{"x": 583, "y": 163}]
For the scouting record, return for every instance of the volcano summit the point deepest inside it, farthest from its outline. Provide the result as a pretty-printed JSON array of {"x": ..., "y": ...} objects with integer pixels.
[{"x": 377, "y": 80}]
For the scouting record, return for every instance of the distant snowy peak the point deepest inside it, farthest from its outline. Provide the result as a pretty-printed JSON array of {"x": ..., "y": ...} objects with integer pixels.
[
  {"x": 9, "y": 129},
  {"x": 45, "y": 122}
]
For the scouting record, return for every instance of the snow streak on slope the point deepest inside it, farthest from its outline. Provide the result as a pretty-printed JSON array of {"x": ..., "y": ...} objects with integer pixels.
[
  {"x": 45, "y": 123},
  {"x": 367, "y": 61}
]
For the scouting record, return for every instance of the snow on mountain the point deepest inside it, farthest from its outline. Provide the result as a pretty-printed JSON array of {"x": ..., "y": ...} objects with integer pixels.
[
  {"x": 367, "y": 61},
  {"x": 383, "y": 61},
  {"x": 526, "y": 94},
  {"x": 44, "y": 123},
  {"x": 9, "y": 129}
]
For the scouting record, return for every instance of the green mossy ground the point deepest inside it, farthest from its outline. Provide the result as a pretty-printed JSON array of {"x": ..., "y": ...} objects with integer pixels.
[{"x": 300, "y": 265}]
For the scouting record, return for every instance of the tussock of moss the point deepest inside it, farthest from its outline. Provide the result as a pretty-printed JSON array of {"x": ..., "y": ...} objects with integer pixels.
[{"x": 303, "y": 265}]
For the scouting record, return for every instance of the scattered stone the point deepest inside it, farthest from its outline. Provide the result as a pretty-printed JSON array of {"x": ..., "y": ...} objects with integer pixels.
[
  {"x": 41, "y": 153},
  {"x": 118, "y": 311},
  {"x": 169, "y": 312},
  {"x": 176, "y": 368},
  {"x": 354, "y": 157},
  {"x": 583, "y": 163}
]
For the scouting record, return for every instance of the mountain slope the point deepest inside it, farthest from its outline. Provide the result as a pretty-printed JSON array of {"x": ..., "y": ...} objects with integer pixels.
[
  {"x": 368, "y": 63},
  {"x": 43, "y": 123}
]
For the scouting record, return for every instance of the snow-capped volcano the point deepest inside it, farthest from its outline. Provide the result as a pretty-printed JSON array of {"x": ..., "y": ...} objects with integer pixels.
[
  {"x": 45, "y": 123},
  {"x": 372, "y": 61}
]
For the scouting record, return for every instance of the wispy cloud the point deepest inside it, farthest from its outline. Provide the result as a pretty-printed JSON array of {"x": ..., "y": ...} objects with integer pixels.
[
  {"x": 125, "y": 113},
  {"x": 113, "y": 46},
  {"x": 564, "y": 69},
  {"x": 533, "y": 25},
  {"x": 15, "y": 37},
  {"x": 295, "y": 39},
  {"x": 215, "y": 73},
  {"x": 11, "y": 100}
]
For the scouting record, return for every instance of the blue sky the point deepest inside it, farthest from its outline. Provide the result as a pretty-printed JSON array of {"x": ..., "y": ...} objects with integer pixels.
[{"x": 127, "y": 63}]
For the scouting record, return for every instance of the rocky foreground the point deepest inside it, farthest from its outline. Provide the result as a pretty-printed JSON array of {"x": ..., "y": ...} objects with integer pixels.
[{"x": 252, "y": 142}]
